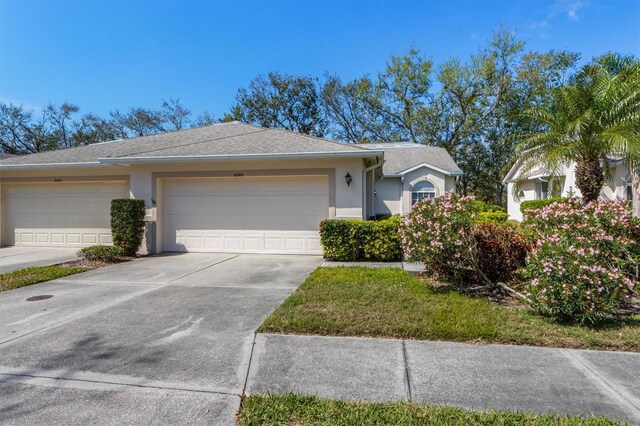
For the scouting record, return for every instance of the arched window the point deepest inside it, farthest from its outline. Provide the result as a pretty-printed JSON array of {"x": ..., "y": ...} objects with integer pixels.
[{"x": 421, "y": 191}]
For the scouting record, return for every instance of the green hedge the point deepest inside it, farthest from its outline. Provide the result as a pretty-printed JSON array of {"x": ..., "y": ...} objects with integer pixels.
[
  {"x": 127, "y": 224},
  {"x": 481, "y": 206},
  {"x": 538, "y": 204},
  {"x": 357, "y": 239},
  {"x": 492, "y": 217}
]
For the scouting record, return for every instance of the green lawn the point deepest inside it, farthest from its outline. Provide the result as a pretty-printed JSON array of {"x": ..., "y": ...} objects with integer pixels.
[
  {"x": 297, "y": 410},
  {"x": 35, "y": 275},
  {"x": 389, "y": 302}
]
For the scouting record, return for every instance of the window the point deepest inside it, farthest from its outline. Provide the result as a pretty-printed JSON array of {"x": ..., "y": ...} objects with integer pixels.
[
  {"x": 629, "y": 190},
  {"x": 542, "y": 190},
  {"x": 421, "y": 191}
]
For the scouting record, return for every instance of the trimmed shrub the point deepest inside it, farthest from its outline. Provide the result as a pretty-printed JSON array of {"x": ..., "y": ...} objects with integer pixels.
[
  {"x": 127, "y": 224},
  {"x": 501, "y": 250},
  {"x": 584, "y": 263},
  {"x": 104, "y": 253},
  {"x": 494, "y": 217},
  {"x": 357, "y": 239},
  {"x": 481, "y": 206},
  {"x": 538, "y": 204}
]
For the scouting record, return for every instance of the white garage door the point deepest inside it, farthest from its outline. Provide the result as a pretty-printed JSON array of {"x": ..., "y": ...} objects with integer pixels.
[
  {"x": 61, "y": 214},
  {"x": 245, "y": 215}
]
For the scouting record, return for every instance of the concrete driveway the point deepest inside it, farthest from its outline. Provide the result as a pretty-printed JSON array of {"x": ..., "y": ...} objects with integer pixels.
[
  {"x": 14, "y": 258},
  {"x": 161, "y": 340}
]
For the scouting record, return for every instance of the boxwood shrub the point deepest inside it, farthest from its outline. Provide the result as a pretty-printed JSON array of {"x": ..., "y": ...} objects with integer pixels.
[
  {"x": 127, "y": 224},
  {"x": 357, "y": 239}
]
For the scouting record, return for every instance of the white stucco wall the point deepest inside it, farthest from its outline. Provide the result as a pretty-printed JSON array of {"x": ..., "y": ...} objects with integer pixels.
[{"x": 388, "y": 196}]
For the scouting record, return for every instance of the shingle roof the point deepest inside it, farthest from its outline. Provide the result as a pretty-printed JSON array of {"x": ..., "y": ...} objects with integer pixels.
[
  {"x": 226, "y": 139},
  {"x": 400, "y": 157}
]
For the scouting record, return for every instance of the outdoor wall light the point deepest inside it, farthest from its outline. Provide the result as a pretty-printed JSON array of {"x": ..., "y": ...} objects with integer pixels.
[
  {"x": 348, "y": 178},
  {"x": 521, "y": 194}
]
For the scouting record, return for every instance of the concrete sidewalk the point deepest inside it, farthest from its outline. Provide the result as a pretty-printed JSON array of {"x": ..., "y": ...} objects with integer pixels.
[{"x": 472, "y": 376}]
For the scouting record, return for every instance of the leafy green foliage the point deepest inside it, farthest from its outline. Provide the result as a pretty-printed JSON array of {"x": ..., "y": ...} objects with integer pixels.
[
  {"x": 35, "y": 275},
  {"x": 356, "y": 239},
  {"x": 104, "y": 253},
  {"x": 127, "y": 224},
  {"x": 531, "y": 205},
  {"x": 480, "y": 206},
  {"x": 292, "y": 409},
  {"x": 491, "y": 217}
]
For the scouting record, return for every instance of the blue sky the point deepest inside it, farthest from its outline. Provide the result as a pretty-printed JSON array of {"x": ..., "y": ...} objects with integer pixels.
[{"x": 104, "y": 55}]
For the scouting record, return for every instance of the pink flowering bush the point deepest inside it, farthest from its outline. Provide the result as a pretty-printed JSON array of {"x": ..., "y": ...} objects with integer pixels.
[
  {"x": 584, "y": 263},
  {"x": 439, "y": 233}
]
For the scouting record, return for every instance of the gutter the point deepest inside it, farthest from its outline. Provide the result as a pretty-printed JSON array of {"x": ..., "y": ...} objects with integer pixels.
[
  {"x": 124, "y": 161},
  {"x": 175, "y": 158},
  {"x": 49, "y": 165}
]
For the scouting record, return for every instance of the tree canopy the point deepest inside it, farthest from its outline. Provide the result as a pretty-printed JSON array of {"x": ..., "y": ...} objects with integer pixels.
[{"x": 471, "y": 106}]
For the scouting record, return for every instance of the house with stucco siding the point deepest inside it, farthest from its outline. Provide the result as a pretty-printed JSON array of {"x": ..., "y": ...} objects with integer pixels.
[
  {"x": 538, "y": 184},
  {"x": 230, "y": 187}
]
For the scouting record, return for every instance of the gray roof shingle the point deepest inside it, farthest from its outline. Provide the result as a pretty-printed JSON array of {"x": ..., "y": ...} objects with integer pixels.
[
  {"x": 226, "y": 139},
  {"x": 406, "y": 155}
]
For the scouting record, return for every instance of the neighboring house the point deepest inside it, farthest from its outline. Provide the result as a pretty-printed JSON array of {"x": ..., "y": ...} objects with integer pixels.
[
  {"x": 412, "y": 172},
  {"x": 536, "y": 185},
  {"x": 228, "y": 187}
]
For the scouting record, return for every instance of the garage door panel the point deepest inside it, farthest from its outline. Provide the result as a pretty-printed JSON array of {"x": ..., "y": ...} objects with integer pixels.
[
  {"x": 253, "y": 215},
  {"x": 74, "y": 214}
]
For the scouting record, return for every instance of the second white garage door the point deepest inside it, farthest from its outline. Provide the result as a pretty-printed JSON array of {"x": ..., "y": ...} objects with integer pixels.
[
  {"x": 60, "y": 214},
  {"x": 245, "y": 215}
]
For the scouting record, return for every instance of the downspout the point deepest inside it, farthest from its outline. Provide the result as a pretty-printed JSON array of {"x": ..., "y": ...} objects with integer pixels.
[
  {"x": 402, "y": 196},
  {"x": 364, "y": 182}
]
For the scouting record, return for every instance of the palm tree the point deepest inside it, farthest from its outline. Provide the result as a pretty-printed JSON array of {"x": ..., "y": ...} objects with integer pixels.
[{"x": 590, "y": 121}]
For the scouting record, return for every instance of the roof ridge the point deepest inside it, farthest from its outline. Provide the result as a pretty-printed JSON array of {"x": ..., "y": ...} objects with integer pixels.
[
  {"x": 354, "y": 145},
  {"x": 172, "y": 131},
  {"x": 188, "y": 144}
]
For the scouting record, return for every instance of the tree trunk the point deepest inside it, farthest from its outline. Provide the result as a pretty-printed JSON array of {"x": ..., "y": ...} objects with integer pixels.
[
  {"x": 589, "y": 178},
  {"x": 635, "y": 191}
]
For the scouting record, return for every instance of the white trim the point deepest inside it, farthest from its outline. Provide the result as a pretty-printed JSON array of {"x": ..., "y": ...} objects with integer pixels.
[{"x": 427, "y": 165}]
